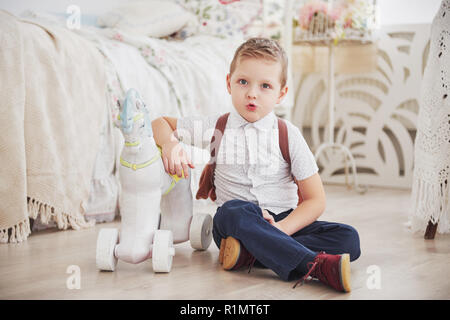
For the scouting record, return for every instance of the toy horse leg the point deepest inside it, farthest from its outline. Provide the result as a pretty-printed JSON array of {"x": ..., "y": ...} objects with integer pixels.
[
  {"x": 139, "y": 203},
  {"x": 139, "y": 222},
  {"x": 176, "y": 210},
  {"x": 177, "y": 215}
]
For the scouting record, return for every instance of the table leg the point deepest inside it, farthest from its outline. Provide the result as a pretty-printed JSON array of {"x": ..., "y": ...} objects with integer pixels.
[{"x": 431, "y": 230}]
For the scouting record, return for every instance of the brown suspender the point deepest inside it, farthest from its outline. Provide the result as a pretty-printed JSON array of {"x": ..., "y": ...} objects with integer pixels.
[
  {"x": 206, "y": 185},
  {"x": 283, "y": 141}
]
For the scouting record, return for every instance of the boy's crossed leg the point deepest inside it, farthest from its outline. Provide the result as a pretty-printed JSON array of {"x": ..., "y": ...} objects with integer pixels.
[{"x": 287, "y": 256}]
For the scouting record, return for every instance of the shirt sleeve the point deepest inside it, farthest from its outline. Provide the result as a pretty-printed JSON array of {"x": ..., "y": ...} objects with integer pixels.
[
  {"x": 196, "y": 131},
  {"x": 303, "y": 163}
]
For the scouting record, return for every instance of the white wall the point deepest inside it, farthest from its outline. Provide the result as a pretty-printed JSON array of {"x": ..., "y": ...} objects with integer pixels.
[
  {"x": 390, "y": 11},
  {"x": 407, "y": 11}
]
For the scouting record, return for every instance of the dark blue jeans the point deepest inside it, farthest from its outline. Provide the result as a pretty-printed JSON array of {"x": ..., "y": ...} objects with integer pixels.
[{"x": 286, "y": 255}]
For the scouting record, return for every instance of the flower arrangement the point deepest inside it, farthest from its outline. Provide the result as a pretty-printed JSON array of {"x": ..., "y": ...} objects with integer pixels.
[
  {"x": 357, "y": 19},
  {"x": 340, "y": 19},
  {"x": 313, "y": 9}
]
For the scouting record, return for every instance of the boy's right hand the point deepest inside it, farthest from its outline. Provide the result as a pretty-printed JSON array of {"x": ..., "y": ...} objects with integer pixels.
[
  {"x": 270, "y": 219},
  {"x": 267, "y": 216},
  {"x": 175, "y": 159}
]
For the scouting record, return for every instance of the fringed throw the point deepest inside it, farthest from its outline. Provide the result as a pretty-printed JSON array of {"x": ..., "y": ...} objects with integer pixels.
[
  {"x": 430, "y": 190},
  {"x": 53, "y": 107}
]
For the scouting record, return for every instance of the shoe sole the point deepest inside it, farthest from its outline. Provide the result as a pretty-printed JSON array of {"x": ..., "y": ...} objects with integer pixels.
[
  {"x": 222, "y": 249},
  {"x": 345, "y": 272},
  {"x": 231, "y": 251}
]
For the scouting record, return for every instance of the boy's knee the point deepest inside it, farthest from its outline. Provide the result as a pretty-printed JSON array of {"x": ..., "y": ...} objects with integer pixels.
[
  {"x": 352, "y": 242},
  {"x": 234, "y": 205},
  {"x": 225, "y": 220},
  {"x": 231, "y": 214},
  {"x": 226, "y": 213},
  {"x": 232, "y": 209}
]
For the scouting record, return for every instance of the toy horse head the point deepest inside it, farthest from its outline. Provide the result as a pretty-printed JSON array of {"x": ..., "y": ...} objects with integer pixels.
[{"x": 134, "y": 119}]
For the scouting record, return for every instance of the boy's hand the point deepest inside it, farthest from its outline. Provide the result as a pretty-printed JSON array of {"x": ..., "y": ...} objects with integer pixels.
[
  {"x": 269, "y": 218},
  {"x": 175, "y": 159}
]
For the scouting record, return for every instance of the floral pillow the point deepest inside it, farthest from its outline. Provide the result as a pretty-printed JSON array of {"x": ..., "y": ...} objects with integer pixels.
[
  {"x": 151, "y": 18},
  {"x": 223, "y": 18},
  {"x": 274, "y": 18}
]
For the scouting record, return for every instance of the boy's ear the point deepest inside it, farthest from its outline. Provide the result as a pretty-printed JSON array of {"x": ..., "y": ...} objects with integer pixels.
[
  {"x": 228, "y": 84},
  {"x": 283, "y": 93}
]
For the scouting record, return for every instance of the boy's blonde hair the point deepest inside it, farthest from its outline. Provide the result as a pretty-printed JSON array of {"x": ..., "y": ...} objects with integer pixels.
[{"x": 262, "y": 48}]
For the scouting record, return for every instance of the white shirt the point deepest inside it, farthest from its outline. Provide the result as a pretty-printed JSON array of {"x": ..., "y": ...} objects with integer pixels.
[{"x": 249, "y": 164}]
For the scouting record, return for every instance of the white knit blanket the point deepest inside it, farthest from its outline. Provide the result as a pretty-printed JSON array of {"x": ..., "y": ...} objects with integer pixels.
[
  {"x": 431, "y": 183},
  {"x": 53, "y": 102}
]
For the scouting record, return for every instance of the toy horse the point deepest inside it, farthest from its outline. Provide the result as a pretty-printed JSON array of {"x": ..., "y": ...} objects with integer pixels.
[{"x": 156, "y": 208}]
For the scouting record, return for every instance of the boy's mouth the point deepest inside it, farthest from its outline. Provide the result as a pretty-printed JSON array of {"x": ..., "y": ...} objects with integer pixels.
[{"x": 251, "y": 107}]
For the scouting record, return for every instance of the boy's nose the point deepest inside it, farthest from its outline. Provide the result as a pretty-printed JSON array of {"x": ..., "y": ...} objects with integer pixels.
[{"x": 251, "y": 93}]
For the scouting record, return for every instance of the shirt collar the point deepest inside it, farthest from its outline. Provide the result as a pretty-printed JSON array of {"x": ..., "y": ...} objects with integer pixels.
[{"x": 266, "y": 123}]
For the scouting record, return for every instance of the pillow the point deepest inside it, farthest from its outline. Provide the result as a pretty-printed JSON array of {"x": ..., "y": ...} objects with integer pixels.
[
  {"x": 42, "y": 16},
  {"x": 151, "y": 18},
  {"x": 223, "y": 18},
  {"x": 58, "y": 18},
  {"x": 274, "y": 18}
]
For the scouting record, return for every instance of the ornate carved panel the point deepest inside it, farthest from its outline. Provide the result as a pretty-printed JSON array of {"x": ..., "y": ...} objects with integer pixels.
[{"x": 375, "y": 114}]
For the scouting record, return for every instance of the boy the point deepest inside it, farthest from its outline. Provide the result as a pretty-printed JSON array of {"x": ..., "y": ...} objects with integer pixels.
[{"x": 259, "y": 217}]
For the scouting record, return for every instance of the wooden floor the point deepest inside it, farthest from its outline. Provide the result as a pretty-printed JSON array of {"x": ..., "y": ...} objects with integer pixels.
[{"x": 406, "y": 265}]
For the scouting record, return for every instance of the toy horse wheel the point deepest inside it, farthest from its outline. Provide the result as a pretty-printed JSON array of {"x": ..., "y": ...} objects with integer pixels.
[
  {"x": 106, "y": 242},
  {"x": 200, "y": 233},
  {"x": 163, "y": 251}
]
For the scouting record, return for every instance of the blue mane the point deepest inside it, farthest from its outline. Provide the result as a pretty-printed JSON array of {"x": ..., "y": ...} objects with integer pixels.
[
  {"x": 126, "y": 110},
  {"x": 129, "y": 109}
]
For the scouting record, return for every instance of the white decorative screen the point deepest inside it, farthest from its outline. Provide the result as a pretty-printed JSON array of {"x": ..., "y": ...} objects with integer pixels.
[{"x": 375, "y": 114}]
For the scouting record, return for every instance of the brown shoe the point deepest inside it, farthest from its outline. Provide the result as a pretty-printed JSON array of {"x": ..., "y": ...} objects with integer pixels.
[{"x": 233, "y": 255}]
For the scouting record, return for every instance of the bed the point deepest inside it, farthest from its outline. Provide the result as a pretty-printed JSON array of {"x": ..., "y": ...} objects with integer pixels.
[{"x": 65, "y": 75}]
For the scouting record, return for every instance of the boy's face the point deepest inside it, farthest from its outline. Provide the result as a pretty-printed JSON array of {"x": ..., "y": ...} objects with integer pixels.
[{"x": 255, "y": 87}]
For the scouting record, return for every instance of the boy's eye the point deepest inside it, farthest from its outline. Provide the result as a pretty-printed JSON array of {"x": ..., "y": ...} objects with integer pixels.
[
  {"x": 266, "y": 86},
  {"x": 242, "y": 81}
]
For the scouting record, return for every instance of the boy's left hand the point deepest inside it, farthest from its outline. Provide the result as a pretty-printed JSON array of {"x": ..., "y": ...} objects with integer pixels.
[{"x": 269, "y": 218}]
